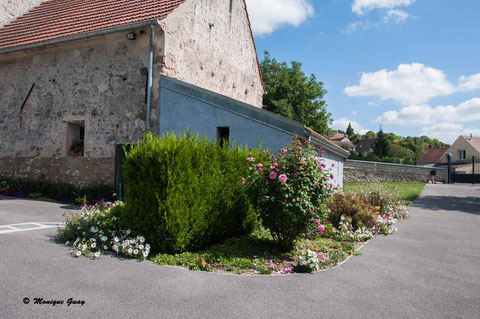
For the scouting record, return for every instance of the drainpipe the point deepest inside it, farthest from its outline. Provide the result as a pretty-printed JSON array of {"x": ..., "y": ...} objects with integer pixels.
[{"x": 150, "y": 77}]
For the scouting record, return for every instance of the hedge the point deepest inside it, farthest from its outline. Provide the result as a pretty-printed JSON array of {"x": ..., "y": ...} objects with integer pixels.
[{"x": 184, "y": 192}]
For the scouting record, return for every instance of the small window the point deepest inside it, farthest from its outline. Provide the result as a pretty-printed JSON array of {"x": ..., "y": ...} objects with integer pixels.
[
  {"x": 75, "y": 143},
  {"x": 462, "y": 154},
  {"x": 223, "y": 136}
]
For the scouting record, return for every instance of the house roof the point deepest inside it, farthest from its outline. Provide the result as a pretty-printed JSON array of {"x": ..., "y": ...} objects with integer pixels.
[
  {"x": 365, "y": 145},
  {"x": 63, "y": 18},
  {"x": 338, "y": 136},
  {"x": 474, "y": 141},
  {"x": 331, "y": 146},
  {"x": 432, "y": 155}
]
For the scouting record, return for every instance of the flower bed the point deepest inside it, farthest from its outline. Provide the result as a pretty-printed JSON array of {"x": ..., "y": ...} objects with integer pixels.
[
  {"x": 302, "y": 225},
  {"x": 95, "y": 229}
]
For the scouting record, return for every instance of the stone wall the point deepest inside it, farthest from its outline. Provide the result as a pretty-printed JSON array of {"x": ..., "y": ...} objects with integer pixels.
[
  {"x": 100, "y": 83},
  {"x": 361, "y": 171},
  {"x": 12, "y": 9},
  {"x": 97, "y": 82},
  {"x": 207, "y": 46}
]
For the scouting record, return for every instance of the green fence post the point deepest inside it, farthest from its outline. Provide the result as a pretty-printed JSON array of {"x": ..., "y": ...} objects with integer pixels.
[{"x": 473, "y": 170}]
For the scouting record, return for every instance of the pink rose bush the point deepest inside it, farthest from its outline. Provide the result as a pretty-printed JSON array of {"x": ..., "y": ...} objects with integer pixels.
[{"x": 291, "y": 190}]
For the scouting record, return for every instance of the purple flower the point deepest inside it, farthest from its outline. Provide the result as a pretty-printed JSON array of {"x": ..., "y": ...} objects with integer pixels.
[
  {"x": 273, "y": 175},
  {"x": 282, "y": 178}
]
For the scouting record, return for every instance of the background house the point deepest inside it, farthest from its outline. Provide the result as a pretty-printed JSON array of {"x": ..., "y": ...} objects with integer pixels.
[
  {"x": 341, "y": 139},
  {"x": 365, "y": 146},
  {"x": 464, "y": 148},
  {"x": 432, "y": 157},
  {"x": 462, "y": 151}
]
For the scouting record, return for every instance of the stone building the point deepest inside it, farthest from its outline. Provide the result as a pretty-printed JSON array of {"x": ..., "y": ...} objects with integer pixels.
[
  {"x": 74, "y": 76},
  {"x": 80, "y": 77}
]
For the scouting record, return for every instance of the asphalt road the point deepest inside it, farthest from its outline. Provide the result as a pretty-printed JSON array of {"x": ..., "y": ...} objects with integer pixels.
[{"x": 429, "y": 269}]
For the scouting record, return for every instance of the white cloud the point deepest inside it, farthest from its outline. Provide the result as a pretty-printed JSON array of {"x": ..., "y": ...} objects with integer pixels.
[
  {"x": 342, "y": 124},
  {"x": 356, "y": 26},
  {"x": 469, "y": 83},
  {"x": 424, "y": 114},
  {"x": 397, "y": 16},
  {"x": 360, "y": 7},
  {"x": 268, "y": 15},
  {"x": 448, "y": 132},
  {"x": 409, "y": 84}
]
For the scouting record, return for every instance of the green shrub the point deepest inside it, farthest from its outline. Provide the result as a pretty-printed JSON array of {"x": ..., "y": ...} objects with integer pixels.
[
  {"x": 183, "y": 192},
  {"x": 356, "y": 208},
  {"x": 290, "y": 190}
]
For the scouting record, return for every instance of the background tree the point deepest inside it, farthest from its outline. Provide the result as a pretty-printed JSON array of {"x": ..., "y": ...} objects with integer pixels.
[
  {"x": 289, "y": 92},
  {"x": 350, "y": 132},
  {"x": 370, "y": 134},
  {"x": 352, "y": 136},
  {"x": 382, "y": 145}
]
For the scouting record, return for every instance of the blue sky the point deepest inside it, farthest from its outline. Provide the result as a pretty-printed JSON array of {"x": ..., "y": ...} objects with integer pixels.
[{"x": 412, "y": 66}]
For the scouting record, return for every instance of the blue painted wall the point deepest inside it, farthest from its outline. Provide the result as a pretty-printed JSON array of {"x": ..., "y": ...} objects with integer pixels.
[{"x": 182, "y": 107}]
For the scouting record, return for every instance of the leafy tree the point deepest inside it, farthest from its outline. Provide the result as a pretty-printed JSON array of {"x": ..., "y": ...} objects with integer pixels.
[
  {"x": 350, "y": 131},
  {"x": 370, "y": 134},
  {"x": 289, "y": 92},
  {"x": 382, "y": 145}
]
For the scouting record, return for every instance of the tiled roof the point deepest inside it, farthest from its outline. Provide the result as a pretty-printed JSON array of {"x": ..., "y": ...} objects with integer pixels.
[
  {"x": 338, "y": 136},
  {"x": 365, "y": 145},
  {"x": 62, "y": 18},
  {"x": 432, "y": 155},
  {"x": 326, "y": 140},
  {"x": 474, "y": 141}
]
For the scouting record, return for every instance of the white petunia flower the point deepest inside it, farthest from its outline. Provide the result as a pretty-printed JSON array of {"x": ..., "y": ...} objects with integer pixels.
[
  {"x": 135, "y": 251},
  {"x": 78, "y": 253},
  {"x": 97, "y": 254},
  {"x": 130, "y": 250},
  {"x": 93, "y": 245}
]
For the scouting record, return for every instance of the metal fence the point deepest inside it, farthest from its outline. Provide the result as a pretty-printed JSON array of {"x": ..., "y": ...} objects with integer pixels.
[{"x": 467, "y": 171}]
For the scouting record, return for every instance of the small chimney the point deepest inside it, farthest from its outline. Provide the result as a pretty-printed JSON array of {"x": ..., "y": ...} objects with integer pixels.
[{"x": 471, "y": 137}]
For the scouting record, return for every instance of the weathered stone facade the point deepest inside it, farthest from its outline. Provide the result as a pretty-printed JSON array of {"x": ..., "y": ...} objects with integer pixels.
[
  {"x": 361, "y": 171},
  {"x": 101, "y": 82},
  {"x": 11, "y": 9},
  {"x": 210, "y": 47}
]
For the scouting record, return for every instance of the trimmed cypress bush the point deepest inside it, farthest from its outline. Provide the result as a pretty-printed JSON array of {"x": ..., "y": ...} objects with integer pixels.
[{"x": 183, "y": 192}]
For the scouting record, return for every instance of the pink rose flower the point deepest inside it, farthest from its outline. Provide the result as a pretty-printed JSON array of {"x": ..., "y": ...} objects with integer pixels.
[
  {"x": 323, "y": 165},
  {"x": 321, "y": 228},
  {"x": 283, "y": 150},
  {"x": 298, "y": 199},
  {"x": 249, "y": 159},
  {"x": 282, "y": 178},
  {"x": 316, "y": 222},
  {"x": 321, "y": 169},
  {"x": 260, "y": 167},
  {"x": 333, "y": 165},
  {"x": 272, "y": 175},
  {"x": 243, "y": 180},
  {"x": 331, "y": 185}
]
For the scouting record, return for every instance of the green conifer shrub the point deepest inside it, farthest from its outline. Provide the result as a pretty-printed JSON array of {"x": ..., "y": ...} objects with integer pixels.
[{"x": 184, "y": 192}]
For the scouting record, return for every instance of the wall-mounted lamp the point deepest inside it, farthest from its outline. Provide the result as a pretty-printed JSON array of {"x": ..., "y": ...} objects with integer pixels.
[{"x": 131, "y": 36}]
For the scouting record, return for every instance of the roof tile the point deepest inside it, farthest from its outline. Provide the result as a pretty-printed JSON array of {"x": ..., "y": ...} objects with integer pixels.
[{"x": 63, "y": 18}]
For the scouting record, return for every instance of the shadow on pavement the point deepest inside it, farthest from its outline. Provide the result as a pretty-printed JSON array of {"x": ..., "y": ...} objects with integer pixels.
[{"x": 470, "y": 205}]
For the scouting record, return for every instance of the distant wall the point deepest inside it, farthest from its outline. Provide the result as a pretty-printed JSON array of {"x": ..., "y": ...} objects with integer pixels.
[{"x": 361, "y": 171}]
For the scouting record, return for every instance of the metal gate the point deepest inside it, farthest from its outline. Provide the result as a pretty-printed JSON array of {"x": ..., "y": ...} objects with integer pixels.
[
  {"x": 467, "y": 171},
  {"x": 120, "y": 150}
]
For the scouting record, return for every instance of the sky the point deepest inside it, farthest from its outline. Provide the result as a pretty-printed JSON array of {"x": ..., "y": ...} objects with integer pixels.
[{"x": 409, "y": 66}]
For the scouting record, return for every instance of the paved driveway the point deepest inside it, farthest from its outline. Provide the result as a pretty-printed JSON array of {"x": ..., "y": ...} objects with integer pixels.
[{"x": 430, "y": 269}]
